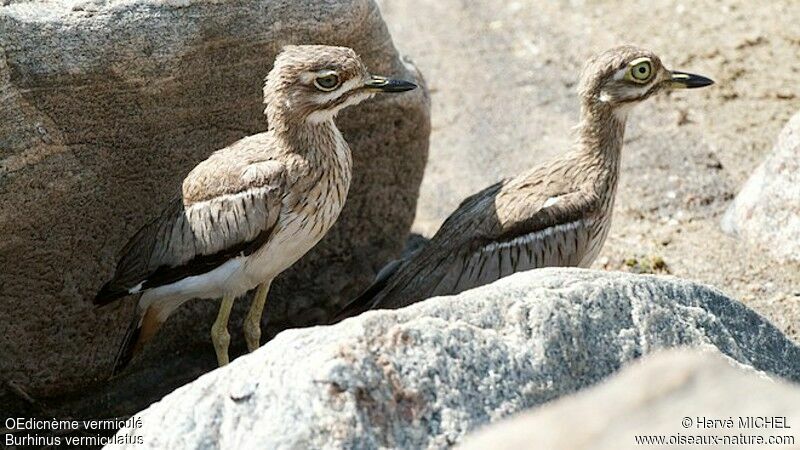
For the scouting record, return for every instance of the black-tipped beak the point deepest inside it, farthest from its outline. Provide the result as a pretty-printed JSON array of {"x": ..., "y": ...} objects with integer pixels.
[
  {"x": 683, "y": 80},
  {"x": 382, "y": 84}
]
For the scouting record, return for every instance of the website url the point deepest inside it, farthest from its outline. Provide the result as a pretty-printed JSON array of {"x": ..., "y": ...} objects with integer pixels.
[{"x": 734, "y": 439}]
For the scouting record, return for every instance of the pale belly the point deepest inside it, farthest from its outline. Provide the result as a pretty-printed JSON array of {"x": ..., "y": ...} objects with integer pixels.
[{"x": 288, "y": 244}]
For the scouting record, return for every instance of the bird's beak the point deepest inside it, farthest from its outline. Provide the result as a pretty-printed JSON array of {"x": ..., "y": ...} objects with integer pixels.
[
  {"x": 383, "y": 84},
  {"x": 683, "y": 80}
]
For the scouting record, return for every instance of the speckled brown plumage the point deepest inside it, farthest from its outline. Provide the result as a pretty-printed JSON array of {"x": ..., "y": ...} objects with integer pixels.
[{"x": 555, "y": 214}]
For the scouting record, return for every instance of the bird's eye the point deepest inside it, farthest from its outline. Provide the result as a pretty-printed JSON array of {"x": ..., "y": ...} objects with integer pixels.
[
  {"x": 327, "y": 82},
  {"x": 641, "y": 72}
]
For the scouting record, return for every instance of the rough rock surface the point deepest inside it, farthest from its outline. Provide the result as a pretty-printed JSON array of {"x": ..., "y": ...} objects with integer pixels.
[
  {"x": 502, "y": 78},
  {"x": 104, "y": 108},
  {"x": 767, "y": 209},
  {"x": 423, "y": 376},
  {"x": 654, "y": 397}
]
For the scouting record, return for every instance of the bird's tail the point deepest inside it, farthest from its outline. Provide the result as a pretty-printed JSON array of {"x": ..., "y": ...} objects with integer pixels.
[
  {"x": 143, "y": 326},
  {"x": 108, "y": 293},
  {"x": 125, "y": 352},
  {"x": 366, "y": 300}
]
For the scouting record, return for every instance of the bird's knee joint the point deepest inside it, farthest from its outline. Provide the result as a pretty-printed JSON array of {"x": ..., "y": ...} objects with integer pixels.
[
  {"x": 220, "y": 334},
  {"x": 252, "y": 326}
]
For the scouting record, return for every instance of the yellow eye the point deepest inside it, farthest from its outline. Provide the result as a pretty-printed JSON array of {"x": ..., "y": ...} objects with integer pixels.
[
  {"x": 641, "y": 72},
  {"x": 327, "y": 82}
]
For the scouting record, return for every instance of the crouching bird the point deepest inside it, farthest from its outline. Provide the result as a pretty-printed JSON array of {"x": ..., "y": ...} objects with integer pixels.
[
  {"x": 252, "y": 209},
  {"x": 555, "y": 214}
]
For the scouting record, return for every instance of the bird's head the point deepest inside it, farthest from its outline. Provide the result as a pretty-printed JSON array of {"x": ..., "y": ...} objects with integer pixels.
[
  {"x": 624, "y": 76},
  {"x": 314, "y": 82}
]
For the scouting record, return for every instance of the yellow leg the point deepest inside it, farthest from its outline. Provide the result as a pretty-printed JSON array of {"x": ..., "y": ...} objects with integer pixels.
[
  {"x": 219, "y": 331},
  {"x": 252, "y": 323}
]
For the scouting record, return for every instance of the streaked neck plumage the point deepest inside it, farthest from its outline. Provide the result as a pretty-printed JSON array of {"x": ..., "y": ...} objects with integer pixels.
[
  {"x": 319, "y": 150},
  {"x": 297, "y": 134},
  {"x": 317, "y": 145},
  {"x": 599, "y": 143}
]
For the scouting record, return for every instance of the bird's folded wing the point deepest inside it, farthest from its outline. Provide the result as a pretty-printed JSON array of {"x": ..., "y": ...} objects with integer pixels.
[
  {"x": 376, "y": 292},
  {"x": 488, "y": 237},
  {"x": 194, "y": 237}
]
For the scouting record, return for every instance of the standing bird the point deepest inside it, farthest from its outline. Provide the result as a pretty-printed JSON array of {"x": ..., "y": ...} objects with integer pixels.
[
  {"x": 555, "y": 214},
  {"x": 252, "y": 209}
]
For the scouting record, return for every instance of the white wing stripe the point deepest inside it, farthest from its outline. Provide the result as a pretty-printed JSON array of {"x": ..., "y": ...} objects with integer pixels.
[{"x": 540, "y": 235}]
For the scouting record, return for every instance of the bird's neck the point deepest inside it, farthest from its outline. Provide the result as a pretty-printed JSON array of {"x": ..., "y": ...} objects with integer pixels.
[
  {"x": 321, "y": 146},
  {"x": 292, "y": 124},
  {"x": 599, "y": 142},
  {"x": 307, "y": 138}
]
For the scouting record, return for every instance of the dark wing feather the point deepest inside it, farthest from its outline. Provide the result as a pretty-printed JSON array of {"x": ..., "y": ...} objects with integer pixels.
[
  {"x": 367, "y": 299},
  {"x": 363, "y": 302}
]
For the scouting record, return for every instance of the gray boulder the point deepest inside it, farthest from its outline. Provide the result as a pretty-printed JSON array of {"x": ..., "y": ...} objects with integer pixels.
[
  {"x": 767, "y": 209},
  {"x": 424, "y": 376},
  {"x": 668, "y": 394},
  {"x": 104, "y": 108}
]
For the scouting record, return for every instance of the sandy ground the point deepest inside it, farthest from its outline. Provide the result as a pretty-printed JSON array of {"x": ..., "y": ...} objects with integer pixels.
[{"x": 503, "y": 75}]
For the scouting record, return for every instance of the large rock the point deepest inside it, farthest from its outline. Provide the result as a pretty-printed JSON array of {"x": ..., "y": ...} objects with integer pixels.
[
  {"x": 674, "y": 395},
  {"x": 767, "y": 209},
  {"x": 104, "y": 108},
  {"x": 423, "y": 376}
]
